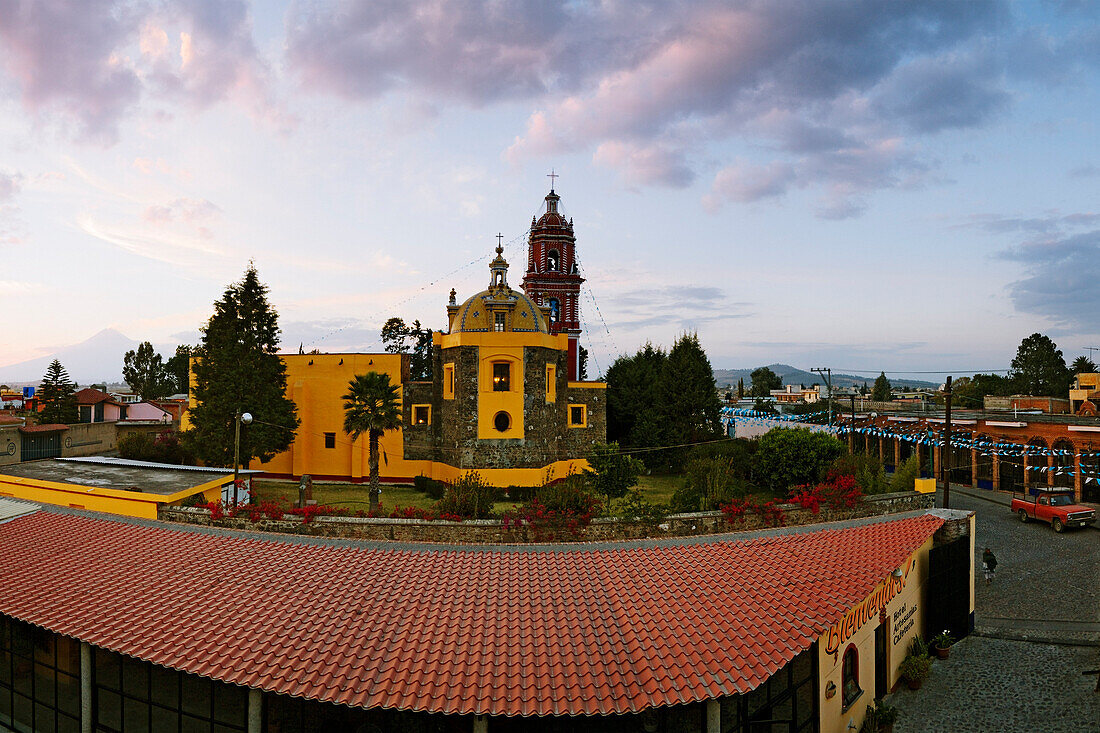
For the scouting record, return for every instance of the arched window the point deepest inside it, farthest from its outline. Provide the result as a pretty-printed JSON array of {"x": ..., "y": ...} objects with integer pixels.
[
  {"x": 555, "y": 310},
  {"x": 849, "y": 676},
  {"x": 553, "y": 260}
]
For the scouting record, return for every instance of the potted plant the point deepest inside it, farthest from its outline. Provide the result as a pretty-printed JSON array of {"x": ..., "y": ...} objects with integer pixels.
[
  {"x": 941, "y": 644},
  {"x": 879, "y": 718},
  {"x": 915, "y": 670}
]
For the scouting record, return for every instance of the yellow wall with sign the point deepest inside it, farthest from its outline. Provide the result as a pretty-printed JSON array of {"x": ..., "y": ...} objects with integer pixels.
[{"x": 904, "y": 614}]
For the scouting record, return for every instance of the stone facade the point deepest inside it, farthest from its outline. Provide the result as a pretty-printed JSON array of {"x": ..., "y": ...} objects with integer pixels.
[{"x": 452, "y": 436}]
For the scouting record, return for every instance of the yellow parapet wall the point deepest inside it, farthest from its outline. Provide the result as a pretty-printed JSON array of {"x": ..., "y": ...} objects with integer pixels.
[{"x": 127, "y": 503}]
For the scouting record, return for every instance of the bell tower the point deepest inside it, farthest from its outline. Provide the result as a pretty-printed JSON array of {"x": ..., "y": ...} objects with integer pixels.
[{"x": 553, "y": 279}]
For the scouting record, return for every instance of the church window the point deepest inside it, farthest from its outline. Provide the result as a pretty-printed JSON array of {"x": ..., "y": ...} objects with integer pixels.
[
  {"x": 578, "y": 416},
  {"x": 555, "y": 310},
  {"x": 552, "y": 260},
  {"x": 422, "y": 414},
  {"x": 448, "y": 381},
  {"x": 502, "y": 372},
  {"x": 551, "y": 382},
  {"x": 502, "y": 421},
  {"x": 499, "y": 321}
]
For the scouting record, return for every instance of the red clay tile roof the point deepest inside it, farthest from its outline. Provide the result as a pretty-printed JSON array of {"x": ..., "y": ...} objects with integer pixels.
[
  {"x": 89, "y": 396},
  {"x": 46, "y": 428},
  {"x": 578, "y": 629}
]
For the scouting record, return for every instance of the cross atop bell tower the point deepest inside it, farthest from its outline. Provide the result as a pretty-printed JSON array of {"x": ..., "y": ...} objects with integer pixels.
[{"x": 553, "y": 277}]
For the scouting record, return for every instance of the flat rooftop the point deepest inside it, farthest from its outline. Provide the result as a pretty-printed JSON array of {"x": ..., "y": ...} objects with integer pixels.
[{"x": 116, "y": 473}]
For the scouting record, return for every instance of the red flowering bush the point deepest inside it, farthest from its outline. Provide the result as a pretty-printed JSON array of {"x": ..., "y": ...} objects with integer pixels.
[
  {"x": 771, "y": 514},
  {"x": 558, "y": 511},
  {"x": 838, "y": 491},
  {"x": 735, "y": 510},
  {"x": 215, "y": 508}
]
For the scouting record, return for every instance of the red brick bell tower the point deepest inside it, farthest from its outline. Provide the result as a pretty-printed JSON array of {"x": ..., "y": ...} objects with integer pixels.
[{"x": 553, "y": 279}]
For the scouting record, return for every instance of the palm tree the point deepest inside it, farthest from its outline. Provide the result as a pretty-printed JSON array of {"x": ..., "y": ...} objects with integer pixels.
[
  {"x": 371, "y": 406},
  {"x": 1083, "y": 365}
]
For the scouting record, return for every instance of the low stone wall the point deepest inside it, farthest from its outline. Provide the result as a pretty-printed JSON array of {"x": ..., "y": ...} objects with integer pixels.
[{"x": 473, "y": 532}]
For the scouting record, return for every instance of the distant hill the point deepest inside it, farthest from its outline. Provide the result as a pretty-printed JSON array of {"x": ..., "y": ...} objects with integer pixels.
[
  {"x": 793, "y": 375},
  {"x": 96, "y": 360}
]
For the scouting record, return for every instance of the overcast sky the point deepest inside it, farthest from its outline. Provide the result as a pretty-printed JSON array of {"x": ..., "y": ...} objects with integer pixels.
[{"x": 861, "y": 185}]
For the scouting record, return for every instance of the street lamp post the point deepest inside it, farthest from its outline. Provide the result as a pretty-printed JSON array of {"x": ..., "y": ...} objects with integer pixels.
[{"x": 246, "y": 418}]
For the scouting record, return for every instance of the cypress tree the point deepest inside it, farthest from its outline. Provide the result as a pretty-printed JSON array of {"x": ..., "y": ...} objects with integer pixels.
[
  {"x": 689, "y": 395},
  {"x": 57, "y": 393},
  {"x": 236, "y": 370}
]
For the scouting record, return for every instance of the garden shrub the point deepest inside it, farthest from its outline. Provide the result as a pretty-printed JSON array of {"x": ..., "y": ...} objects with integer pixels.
[
  {"x": 164, "y": 448},
  {"x": 788, "y": 457},
  {"x": 611, "y": 472},
  {"x": 430, "y": 487},
  {"x": 709, "y": 483},
  {"x": 469, "y": 497},
  {"x": 558, "y": 510},
  {"x": 906, "y": 475},
  {"x": 867, "y": 469}
]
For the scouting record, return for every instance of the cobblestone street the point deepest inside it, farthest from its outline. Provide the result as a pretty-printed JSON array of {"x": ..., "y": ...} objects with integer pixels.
[{"x": 1037, "y": 629}]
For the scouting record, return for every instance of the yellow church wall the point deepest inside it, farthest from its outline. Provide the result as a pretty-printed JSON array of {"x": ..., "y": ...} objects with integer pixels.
[{"x": 491, "y": 402}]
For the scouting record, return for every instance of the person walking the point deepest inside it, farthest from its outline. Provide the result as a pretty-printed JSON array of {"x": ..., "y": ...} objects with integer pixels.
[{"x": 989, "y": 565}]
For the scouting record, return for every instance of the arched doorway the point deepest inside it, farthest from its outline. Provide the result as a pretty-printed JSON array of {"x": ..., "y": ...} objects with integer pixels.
[
  {"x": 959, "y": 463},
  {"x": 1037, "y": 454},
  {"x": 1011, "y": 470},
  {"x": 1065, "y": 463},
  {"x": 1090, "y": 474},
  {"x": 984, "y": 476}
]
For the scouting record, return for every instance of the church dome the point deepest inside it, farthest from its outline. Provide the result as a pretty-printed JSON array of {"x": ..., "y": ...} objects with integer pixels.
[{"x": 499, "y": 308}]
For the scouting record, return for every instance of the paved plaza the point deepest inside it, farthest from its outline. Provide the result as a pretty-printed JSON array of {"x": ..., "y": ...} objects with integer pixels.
[{"x": 1037, "y": 630}]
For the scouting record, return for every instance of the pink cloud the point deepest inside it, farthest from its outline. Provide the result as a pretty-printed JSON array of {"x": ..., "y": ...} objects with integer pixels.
[{"x": 63, "y": 57}]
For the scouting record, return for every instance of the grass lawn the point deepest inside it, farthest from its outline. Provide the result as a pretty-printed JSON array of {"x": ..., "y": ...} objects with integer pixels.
[
  {"x": 348, "y": 496},
  {"x": 658, "y": 489}
]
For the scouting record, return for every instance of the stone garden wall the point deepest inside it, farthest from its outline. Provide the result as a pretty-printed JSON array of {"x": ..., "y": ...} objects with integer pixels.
[{"x": 494, "y": 531}]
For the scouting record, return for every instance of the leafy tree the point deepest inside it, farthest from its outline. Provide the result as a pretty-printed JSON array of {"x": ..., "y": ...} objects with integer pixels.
[
  {"x": 146, "y": 374},
  {"x": 741, "y": 388},
  {"x": 634, "y": 417},
  {"x": 972, "y": 391},
  {"x": 57, "y": 393},
  {"x": 1083, "y": 365},
  {"x": 238, "y": 370},
  {"x": 793, "y": 456},
  {"x": 414, "y": 340},
  {"x": 179, "y": 369},
  {"x": 766, "y": 407},
  {"x": 764, "y": 380},
  {"x": 610, "y": 471},
  {"x": 371, "y": 406},
  {"x": 582, "y": 359},
  {"x": 1039, "y": 368},
  {"x": 881, "y": 391}
]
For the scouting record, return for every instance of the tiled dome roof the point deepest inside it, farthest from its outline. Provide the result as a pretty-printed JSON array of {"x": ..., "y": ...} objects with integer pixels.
[{"x": 478, "y": 312}]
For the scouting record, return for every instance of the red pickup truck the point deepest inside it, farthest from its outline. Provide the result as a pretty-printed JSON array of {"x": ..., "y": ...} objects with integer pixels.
[{"x": 1053, "y": 506}]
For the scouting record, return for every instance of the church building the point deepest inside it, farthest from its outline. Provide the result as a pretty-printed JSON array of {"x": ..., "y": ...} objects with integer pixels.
[{"x": 504, "y": 399}]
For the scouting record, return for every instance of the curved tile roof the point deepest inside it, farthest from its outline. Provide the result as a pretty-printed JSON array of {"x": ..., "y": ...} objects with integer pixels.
[{"x": 580, "y": 629}]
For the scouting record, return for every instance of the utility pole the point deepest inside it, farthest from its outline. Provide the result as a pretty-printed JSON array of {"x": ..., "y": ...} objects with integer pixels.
[
  {"x": 945, "y": 463},
  {"x": 829, "y": 383},
  {"x": 852, "y": 432}
]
